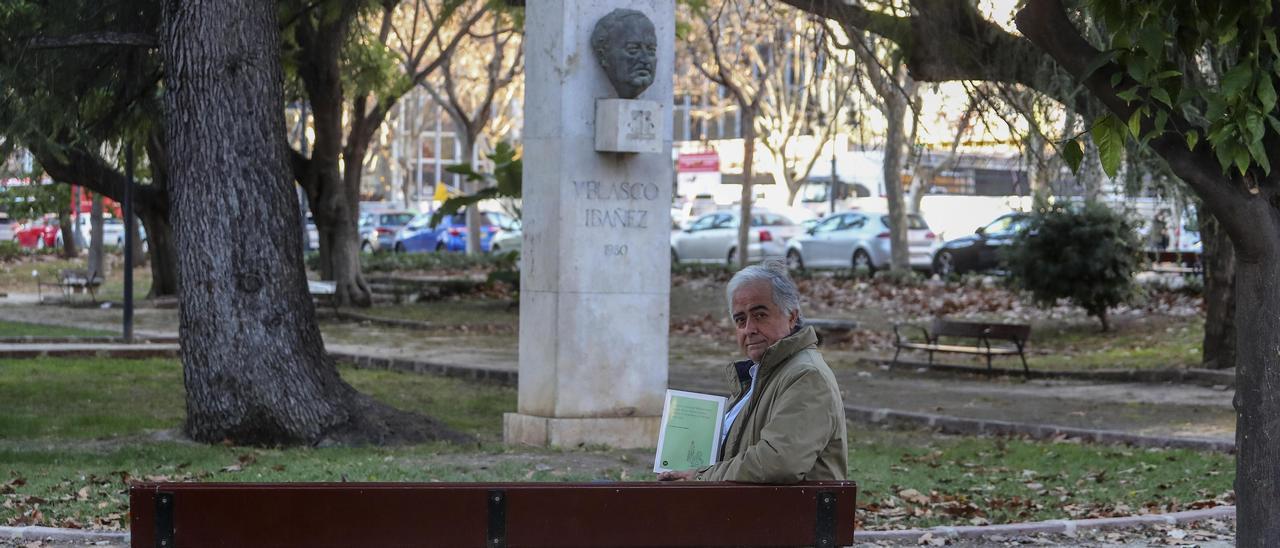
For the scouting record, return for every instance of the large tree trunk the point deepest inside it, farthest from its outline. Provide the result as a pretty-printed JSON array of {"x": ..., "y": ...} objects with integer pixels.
[
  {"x": 333, "y": 195},
  {"x": 1257, "y": 402},
  {"x": 164, "y": 256},
  {"x": 1219, "y": 261},
  {"x": 895, "y": 144},
  {"x": 254, "y": 364},
  {"x": 69, "y": 248},
  {"x": 748, "y": 157},
  {"x": 96, "y": 264}
]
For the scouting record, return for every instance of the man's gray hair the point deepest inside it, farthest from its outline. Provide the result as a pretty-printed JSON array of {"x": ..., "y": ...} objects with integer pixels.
[{"x": 785, "y": 293}]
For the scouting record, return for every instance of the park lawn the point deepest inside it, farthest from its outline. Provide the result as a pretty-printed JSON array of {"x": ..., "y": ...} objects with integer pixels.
[
  {"x": 20, "y": 329},
  {"x": 75, "y": 430},
  {"x": 1142, "y": 343}
]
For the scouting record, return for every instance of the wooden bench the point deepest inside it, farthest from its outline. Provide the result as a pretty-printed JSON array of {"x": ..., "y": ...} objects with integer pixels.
[
  {"x": 72, "y": 282},
  {"x": 169, "y": 515},
  {"x": 981, "y": 332}
]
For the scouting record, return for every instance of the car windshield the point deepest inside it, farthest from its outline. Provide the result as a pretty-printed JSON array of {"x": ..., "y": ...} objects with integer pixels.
[
  {"x": 914, "y": 222},
  {"x": 1008, "y": 223},
  {"x": 395, "y": 218}
]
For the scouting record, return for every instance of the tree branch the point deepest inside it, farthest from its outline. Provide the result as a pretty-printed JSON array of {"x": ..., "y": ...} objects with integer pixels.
[
  {"x": 101, "y": 38},
  {"x": 1045, "y": 23}
]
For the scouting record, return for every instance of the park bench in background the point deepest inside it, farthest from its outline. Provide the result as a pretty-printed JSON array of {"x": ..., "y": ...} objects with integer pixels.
[
  {"x": 981, "y": 334},
  {"x": 72, "y": 282},
  {"x": 491, "y": 514}
]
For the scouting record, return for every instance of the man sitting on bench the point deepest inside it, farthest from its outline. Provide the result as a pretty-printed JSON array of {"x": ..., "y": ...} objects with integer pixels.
[{"x": 786, "y": 420}]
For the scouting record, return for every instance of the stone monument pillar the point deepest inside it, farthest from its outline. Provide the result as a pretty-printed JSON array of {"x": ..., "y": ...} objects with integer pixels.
[{"x": 595, "y": 266}]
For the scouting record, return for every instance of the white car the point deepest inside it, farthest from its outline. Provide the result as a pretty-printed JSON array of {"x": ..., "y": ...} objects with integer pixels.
[
  {"x": 6, "y": 227},
  {"x": 112, "y": 231},
  {"x": 713, "y": 238}
]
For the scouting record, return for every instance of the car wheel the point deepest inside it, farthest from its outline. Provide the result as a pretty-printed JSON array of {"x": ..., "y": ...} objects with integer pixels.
[
  {"x": 862, "y": 260},
  {"x": 440, "y": 247},
  {"x": 40, "y": 242},
  {"x": 495, "y": 249},
  {"x": 794, "y": 261},
  {"x": 57, "y": 243},
  {"x": 675, "y": 257},
  {"x": 399, "y": 248},
  {"x": 732, "y": 259},
  {"x": 944, "y": 264},
  {"x": 365, "y": 247}
]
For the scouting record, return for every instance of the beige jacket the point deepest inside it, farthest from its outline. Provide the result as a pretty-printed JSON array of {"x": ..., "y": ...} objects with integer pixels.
[{"x": 793, "y": 427}]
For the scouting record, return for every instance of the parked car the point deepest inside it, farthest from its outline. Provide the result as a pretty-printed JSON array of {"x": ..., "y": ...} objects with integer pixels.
[
  {"x": 982, "y": 250},
  {"x": 858, "y": 239},
  {"x": 312, "y": 234},
  {"x": 450, "y": 235},
  {"x": 508, "y": 239},
  {"x": 6, "y": 227},
  {"x": 378, "y": 229},
  {"x": 713, "y": 238},
  {"x": 38, "y": 233},
  {"x": 112, "y": 231}
]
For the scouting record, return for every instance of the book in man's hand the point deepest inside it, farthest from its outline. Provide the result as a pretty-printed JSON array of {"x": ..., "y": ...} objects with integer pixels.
[{"x": 689, "y": 436}]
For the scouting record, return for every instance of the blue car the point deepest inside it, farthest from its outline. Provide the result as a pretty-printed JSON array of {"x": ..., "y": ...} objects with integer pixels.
[{"x": 450, "y": 235}]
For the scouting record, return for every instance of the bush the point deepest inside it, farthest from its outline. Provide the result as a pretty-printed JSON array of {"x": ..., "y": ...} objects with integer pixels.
[
  {"x": 386, "y": 261},
  {"x": 10, "y": 251},
  {"x": 1086, "y": 254}
]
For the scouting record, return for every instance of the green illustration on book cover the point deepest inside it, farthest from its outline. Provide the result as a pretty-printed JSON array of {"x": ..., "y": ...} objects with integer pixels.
[{"x": 690, "y": 436}]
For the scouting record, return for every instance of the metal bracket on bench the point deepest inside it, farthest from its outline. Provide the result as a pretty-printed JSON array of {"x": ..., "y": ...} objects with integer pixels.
[
  {"x": 497, "y": 519},
  {"x": 164, "y": 520},
  {"x": 824, "y": 534}
]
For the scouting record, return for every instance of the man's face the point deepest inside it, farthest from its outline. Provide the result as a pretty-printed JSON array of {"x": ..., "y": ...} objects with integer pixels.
[
  {"x": 632, "y": 57},
  {"x": 759, "y": 321}
]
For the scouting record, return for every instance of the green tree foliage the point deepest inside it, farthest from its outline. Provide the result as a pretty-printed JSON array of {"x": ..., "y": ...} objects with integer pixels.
[
  {"x": 504, "y": 182},
  {"x": 1201, "y": 70},
  {"x": 1086, "y": 254},
  {"x": 35, "y": 200}
]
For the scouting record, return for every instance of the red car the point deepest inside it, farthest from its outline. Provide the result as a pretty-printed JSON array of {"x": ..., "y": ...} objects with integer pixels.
[{"x": 38, "y": 234}]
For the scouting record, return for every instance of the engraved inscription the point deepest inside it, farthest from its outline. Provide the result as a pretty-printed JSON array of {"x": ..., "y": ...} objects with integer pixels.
[
  {"x": 641, "y": 126},
  {"x": 617, "y": 218}
]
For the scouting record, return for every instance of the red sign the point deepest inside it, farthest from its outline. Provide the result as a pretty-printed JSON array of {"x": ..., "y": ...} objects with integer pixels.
[{"x": 700, "y": 162}]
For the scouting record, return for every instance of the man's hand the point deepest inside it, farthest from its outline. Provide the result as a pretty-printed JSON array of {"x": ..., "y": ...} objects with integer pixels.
[{"x": 677, "y": 475}]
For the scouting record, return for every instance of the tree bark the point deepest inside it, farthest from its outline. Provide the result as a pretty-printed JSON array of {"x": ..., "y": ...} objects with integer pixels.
[
  {"x": 69, "y": 248},
  {"x": 1218, "y": 257},
  {"x": 96, "y": 264},
  {"x": 895, "y": 144},
  {"x": 333, "y": 193},
  {"x": 1257, "y": 402},
  {"x": 748, "y": 158},
  {"x": 254, "y": 364}
]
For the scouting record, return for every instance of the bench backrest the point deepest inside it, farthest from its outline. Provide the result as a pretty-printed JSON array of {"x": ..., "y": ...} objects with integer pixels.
[
  {"x": 950, "y": 328},
  {"x": 491, "y": 514}
]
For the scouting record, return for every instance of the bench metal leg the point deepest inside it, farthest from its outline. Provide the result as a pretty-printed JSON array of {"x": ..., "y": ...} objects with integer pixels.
[
  {"x": 895, "y": 355},
  {"x": 1026, "y": 371},
  {"x": 989, "y": 363},
  {"x": 930, "y": 357}
]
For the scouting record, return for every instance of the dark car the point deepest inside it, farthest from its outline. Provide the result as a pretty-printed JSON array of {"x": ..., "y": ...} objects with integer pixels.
[
  {"x": 981, "y": 251},
  {"x": 450, "y": 235}
]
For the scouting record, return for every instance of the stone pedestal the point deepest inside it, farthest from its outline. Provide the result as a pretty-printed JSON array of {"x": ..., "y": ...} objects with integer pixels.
[{"x": 595, "y": 265}]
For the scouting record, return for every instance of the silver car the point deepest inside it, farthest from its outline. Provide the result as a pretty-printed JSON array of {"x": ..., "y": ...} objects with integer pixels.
[
  {"x": 713, "y": 238},
  {"x": 859, "y": 239}
]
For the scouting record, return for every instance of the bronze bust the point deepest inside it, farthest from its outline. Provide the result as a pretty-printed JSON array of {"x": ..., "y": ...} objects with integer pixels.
[{"x": 626, "y": 46}]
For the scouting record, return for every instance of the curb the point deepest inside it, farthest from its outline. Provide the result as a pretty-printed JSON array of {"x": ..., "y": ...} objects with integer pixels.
[
  {"x": 100, "y": 351},
  {"x": 1056, "y": 526},
  {"x": 503, "y": 377},
  {"x": 1204, "y": 377},
  {"x": 35, "y": 532},
  {"x": 957, "y": 425}
]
